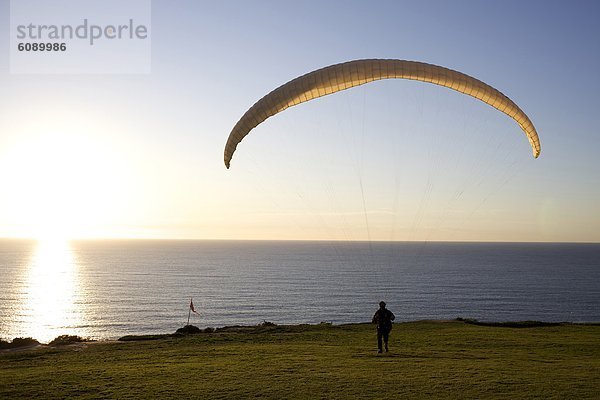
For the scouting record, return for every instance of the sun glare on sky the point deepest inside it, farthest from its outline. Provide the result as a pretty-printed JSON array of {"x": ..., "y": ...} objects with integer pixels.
[{"x": 61, "y": 185}]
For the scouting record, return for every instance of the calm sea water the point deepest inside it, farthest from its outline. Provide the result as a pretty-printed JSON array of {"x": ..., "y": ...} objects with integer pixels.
[{"x": 107, "y": 289}]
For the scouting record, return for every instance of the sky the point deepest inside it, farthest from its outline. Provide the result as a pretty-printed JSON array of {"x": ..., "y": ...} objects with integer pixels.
[{"x": 141, "y": 155}]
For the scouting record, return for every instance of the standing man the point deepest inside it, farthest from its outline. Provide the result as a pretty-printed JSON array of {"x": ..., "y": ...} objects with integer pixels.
[{"x": 383, "y": 318}]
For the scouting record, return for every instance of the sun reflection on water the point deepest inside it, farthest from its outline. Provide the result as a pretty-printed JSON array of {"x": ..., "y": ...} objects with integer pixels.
[{"x": 51, "y": 293}]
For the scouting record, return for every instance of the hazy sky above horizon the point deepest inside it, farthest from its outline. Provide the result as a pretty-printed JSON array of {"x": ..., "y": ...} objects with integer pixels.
[{"x": 142, "y": 155}]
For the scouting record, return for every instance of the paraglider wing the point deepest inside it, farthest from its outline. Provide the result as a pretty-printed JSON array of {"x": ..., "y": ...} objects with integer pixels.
[{"x": 355, "y": 73}]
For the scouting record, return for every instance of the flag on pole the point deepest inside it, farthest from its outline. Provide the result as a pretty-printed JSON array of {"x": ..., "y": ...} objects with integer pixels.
[{"x": 192, "y": 307}]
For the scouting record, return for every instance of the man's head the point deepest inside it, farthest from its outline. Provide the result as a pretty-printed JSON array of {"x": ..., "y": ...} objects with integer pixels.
[{"x": 382, "y": 304}]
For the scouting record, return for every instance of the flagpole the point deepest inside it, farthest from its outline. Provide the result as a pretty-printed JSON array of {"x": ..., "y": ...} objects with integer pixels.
[{"x": 189, "y": 311}]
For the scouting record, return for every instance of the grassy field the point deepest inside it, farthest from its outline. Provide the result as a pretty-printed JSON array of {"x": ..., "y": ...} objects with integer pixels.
[{"x": 427, "y": 359}]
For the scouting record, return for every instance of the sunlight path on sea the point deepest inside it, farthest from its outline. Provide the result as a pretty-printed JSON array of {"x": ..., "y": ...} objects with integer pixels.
[{"x": 50, "y": 294}]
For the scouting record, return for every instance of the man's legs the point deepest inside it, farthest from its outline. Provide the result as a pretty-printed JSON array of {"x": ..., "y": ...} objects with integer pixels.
[
  {"x": 379, "y": 335},
  {"x": 386, "y": 336}
]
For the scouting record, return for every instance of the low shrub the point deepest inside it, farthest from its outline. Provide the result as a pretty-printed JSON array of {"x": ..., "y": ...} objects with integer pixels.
[
  {"x": 63, "y": 340},
  {"x": 189, "y": 330},
  {"x": 18, "y": 342}
]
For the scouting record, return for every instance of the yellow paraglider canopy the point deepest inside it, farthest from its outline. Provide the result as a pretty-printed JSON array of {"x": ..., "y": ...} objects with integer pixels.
[{"x": 343, "y": 76}]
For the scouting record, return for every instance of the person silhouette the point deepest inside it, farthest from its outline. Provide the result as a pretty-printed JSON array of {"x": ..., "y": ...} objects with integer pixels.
[{"x": 383, "y": 318}]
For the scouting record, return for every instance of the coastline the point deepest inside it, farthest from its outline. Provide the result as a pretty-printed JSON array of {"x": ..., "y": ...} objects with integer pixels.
[{"x": 267, "y": 326}]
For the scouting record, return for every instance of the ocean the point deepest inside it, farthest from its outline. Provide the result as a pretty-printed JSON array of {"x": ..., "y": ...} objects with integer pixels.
[{"x": 111, "y": 288}]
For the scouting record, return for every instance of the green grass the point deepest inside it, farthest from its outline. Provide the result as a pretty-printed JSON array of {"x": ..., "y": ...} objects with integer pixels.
[{"x": 427, "y": 359}]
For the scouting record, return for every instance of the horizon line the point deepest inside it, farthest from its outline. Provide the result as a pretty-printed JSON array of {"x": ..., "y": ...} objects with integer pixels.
[{"x": 188, "y": 239}]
